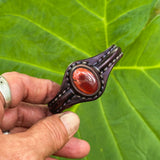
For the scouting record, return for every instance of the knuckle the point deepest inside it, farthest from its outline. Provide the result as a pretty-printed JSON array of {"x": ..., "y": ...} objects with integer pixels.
[
  {"x": 51, "y": 90},
  {"x": 13, "y": 73}
]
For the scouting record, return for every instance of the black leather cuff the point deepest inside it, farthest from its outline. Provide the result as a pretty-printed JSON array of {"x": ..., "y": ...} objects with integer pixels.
[{"x": 85, "y": 80}]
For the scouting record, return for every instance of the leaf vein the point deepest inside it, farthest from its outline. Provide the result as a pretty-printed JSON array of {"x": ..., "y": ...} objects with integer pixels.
[
  {"x": 89, "y": 10},
  {"x": 127, "y": 11},
  {"x": 33, "y": 65},
  {"x": 155, "y": 82},
  {"x": 50, "y": 32},
  {"x": 134, "y": 109},
  {"x": 105, "y": 23},
  {"x": 107, "y": 123},
  {"x": 144, "y": 47},
  {"x": 141, "y": 68}
]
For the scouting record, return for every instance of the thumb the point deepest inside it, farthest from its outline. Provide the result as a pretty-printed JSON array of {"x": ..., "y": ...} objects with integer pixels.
[{"x": 52, "y": 133}]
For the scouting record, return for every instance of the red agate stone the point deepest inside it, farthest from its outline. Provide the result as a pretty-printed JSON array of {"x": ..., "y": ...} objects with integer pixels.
[{"x": 85, "y": 81}]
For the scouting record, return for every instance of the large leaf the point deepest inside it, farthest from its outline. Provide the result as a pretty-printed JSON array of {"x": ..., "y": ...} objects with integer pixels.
[{"x": 41, "y": 38}]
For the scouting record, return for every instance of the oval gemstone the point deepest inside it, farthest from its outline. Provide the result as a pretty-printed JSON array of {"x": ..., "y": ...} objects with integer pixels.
[{"x": 85, "y": 81}]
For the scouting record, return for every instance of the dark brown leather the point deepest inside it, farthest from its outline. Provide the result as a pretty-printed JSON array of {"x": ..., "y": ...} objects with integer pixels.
[{"x": 101, "y": 65}]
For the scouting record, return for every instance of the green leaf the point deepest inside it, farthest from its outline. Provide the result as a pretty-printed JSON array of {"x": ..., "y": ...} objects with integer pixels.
[{"x": 41, "y": 38}]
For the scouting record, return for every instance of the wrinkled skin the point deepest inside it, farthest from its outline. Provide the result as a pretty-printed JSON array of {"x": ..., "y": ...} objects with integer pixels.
[{"x": 35, "y": 133}]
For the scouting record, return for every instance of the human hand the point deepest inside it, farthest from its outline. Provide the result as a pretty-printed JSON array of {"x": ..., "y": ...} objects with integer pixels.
[{"x": 35, "y": 133}]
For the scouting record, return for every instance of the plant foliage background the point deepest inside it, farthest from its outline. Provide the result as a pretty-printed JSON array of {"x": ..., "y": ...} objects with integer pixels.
[{"x": 41, "y": 38}]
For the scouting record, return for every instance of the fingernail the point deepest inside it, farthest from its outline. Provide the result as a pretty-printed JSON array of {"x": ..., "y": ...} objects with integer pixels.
[{"x": 71, "y": 122}]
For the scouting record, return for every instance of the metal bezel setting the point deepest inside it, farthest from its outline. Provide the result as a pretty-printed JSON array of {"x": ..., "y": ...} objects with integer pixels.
[{"x": 92, "y": 71}]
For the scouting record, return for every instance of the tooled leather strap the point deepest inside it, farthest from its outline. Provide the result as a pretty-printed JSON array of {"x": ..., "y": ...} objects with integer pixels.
[{"x": 85, "y": 80}]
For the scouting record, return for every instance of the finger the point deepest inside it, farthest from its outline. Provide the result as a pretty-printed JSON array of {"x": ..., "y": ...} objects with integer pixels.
[
  {"x": 24, "y": 115},
  {"x": 41, "y": 140},
  {"x": 50, "y": 158},
  {"x": 17, "y": 130},
  {"x": 1, "y": 131},
  {"x": 52, "y": 133},
  {"x": 74, "y": 148},
  {"x": 30, "y": 89}
]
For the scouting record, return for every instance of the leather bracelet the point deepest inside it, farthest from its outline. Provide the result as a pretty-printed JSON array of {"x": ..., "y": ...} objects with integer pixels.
[{"x": 85, "y": 80}]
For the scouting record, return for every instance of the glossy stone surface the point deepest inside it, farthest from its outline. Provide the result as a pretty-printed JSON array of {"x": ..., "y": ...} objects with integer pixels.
[{"x": 85, "y": 81}]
